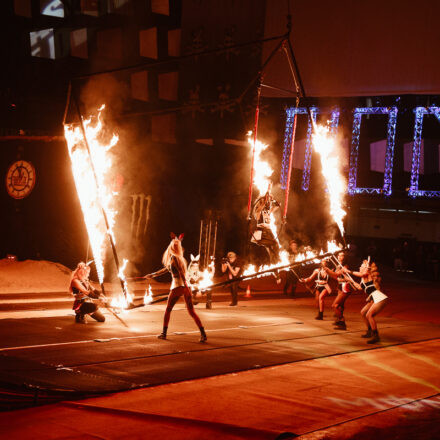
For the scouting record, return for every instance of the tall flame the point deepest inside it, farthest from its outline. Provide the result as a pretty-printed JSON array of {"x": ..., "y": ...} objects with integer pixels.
[
  {"x": 325, "y": 144},
  {"x": 262, "y": 177},
  {"x": 148, "y": 296},
  {"x": 94, "y": 195}
]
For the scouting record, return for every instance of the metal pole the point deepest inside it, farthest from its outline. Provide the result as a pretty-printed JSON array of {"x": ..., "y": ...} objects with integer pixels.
[
  {"x": 209, "y": 241},
  {"x": 200, "y": 239},
  {"x": 289, "y": 171},
  {"x": 104, "y": 214},
  {"x": 215, "y": 238}
]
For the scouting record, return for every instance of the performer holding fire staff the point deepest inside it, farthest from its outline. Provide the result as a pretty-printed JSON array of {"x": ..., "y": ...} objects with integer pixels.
[
  {"x": 264, "y": 206},
  {"x": 345, "y": 287},
  {"x": 322, "y": 288},
  {"x": 231, "y": 265},
  {"x": 376, "y": 300},
  {"x": 84, "y": 294},
  {"x": 175, "y": 263}
]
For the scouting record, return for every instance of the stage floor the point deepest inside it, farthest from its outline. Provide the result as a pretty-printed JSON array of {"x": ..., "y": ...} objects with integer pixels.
[{"x": 268, "y": 367}]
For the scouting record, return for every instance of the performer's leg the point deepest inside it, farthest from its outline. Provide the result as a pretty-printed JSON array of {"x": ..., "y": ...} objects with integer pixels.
[
  {"x": 234, "y": 294},
  {"x": 192, "y": 312},
  {"x": 98, "y": 316},
  {"x": 173, "y": 297},
  {"x": 372, "y": 312},
  {"x": 364, "y": 312}
]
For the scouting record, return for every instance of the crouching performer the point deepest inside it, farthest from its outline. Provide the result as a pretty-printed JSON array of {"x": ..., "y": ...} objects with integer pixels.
[
  {"x": 85, "y": 295},
  {"x": 175, "y": 263}
]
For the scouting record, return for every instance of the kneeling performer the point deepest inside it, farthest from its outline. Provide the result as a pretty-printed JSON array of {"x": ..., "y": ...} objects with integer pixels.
[{"x": 84, "y": 295}]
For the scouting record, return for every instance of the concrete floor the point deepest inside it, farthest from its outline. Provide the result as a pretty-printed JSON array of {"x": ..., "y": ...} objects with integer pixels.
[{"x": 291, "y": 373}]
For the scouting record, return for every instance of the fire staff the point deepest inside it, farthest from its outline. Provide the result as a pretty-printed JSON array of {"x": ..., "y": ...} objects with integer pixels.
[{"x": 175, "y": 263}]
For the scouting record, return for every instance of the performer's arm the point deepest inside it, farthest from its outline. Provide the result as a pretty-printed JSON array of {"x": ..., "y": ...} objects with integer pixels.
[
  {"x": 233, "y": 271},
  {"x": 224, "y": 267},
  {"x": 311, "y": 277},
  {"x": 156, "y": 274},
  {"x": 332, "y": 273},
  {"x": 83, "y": 291},
  {"x": 359, "y": 274}
]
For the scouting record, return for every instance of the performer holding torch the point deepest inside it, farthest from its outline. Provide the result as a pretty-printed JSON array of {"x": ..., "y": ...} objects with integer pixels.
[
  {"x": 376, "y": 300},
  {"x": 346, "y": 285},
  {"x": 175, "y": 263},
  {"x": 84, "y": 295},
  {"x": 322, "y": 288}
]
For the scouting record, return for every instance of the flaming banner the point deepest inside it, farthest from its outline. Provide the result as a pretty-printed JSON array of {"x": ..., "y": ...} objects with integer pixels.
[
  {"x": 325, "y": 144},
  {"x": 91, "y": 168},
  {"x": 314, "y": 259},
  {"x": 90, "y": 179}
]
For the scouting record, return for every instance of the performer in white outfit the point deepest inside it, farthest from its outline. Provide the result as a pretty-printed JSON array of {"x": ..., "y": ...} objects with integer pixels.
[{"x": 376, "y": 300}]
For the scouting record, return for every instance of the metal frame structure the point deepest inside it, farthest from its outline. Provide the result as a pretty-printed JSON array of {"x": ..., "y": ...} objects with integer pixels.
[
  {"x": 354, "y": 153},
  {"x": 414, "y": 190},
  {"x": 291, "y": 112}
]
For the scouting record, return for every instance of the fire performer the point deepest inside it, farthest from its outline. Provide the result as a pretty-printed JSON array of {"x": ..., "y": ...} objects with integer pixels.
[
  {"x": 376, "y": 300},
  {"x": 344, "y": 289},
  {"x": 231, "y": 265},
  {"x": 264, "y": 206},
  {"x": 175, "y": 263},
  {"x": 84, "y": 294},
  {"x": 322, "y": 287}
]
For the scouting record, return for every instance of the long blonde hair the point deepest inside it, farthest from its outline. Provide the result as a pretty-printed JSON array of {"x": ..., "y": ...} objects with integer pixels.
[
  {"x": 175, "y": 250},
  {"x": 375, "y": 275},
  {"x": 75, "y": 274}
]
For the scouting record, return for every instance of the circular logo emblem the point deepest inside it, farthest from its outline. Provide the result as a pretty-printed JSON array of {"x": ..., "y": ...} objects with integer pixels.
[{"x": 20, "y": 179}]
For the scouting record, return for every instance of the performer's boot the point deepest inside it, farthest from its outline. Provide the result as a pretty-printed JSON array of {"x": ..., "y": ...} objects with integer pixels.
[
  {"x": 368, "y": 334},
  {"x": 163, "y": 335},
  {"x": 375, "y": 338},
  {"x": 320, "y": 316},
  {"x": 340, "y": 325},
  {"x": 234, "y": 299},
  {"x": 203, "y": 336},
  {"x": 80, "y": 318}
]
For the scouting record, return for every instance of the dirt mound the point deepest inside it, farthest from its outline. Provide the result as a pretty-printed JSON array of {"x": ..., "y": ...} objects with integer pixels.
[{"x": 33, "y": 276}]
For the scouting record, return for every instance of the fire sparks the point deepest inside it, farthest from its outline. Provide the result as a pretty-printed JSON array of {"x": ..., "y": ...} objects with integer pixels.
[
  {"x": 325, "y": 144},
  {"x": 122, "y": 301},
  {"x": 148, "y": 297},
  {"x": 206, "y": 278}
]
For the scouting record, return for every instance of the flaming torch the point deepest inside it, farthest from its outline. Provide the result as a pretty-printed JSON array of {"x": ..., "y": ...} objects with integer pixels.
[{"x": 91, "y": 166}]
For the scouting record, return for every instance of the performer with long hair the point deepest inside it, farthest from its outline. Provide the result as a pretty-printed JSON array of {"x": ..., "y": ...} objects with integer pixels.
[
  {"x": 264, "y": 206},
  {"x": 322, "y": 287},
  {"x": 376, "y": 300},
  {"x": 175, "y": 263},
  {"x": 84, "y": 294}
]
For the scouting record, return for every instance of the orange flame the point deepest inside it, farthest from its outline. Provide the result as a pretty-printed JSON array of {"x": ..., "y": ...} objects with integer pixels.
[
  {"x": 325, "y": 144},
  {"x": 94, "y": 194}
]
